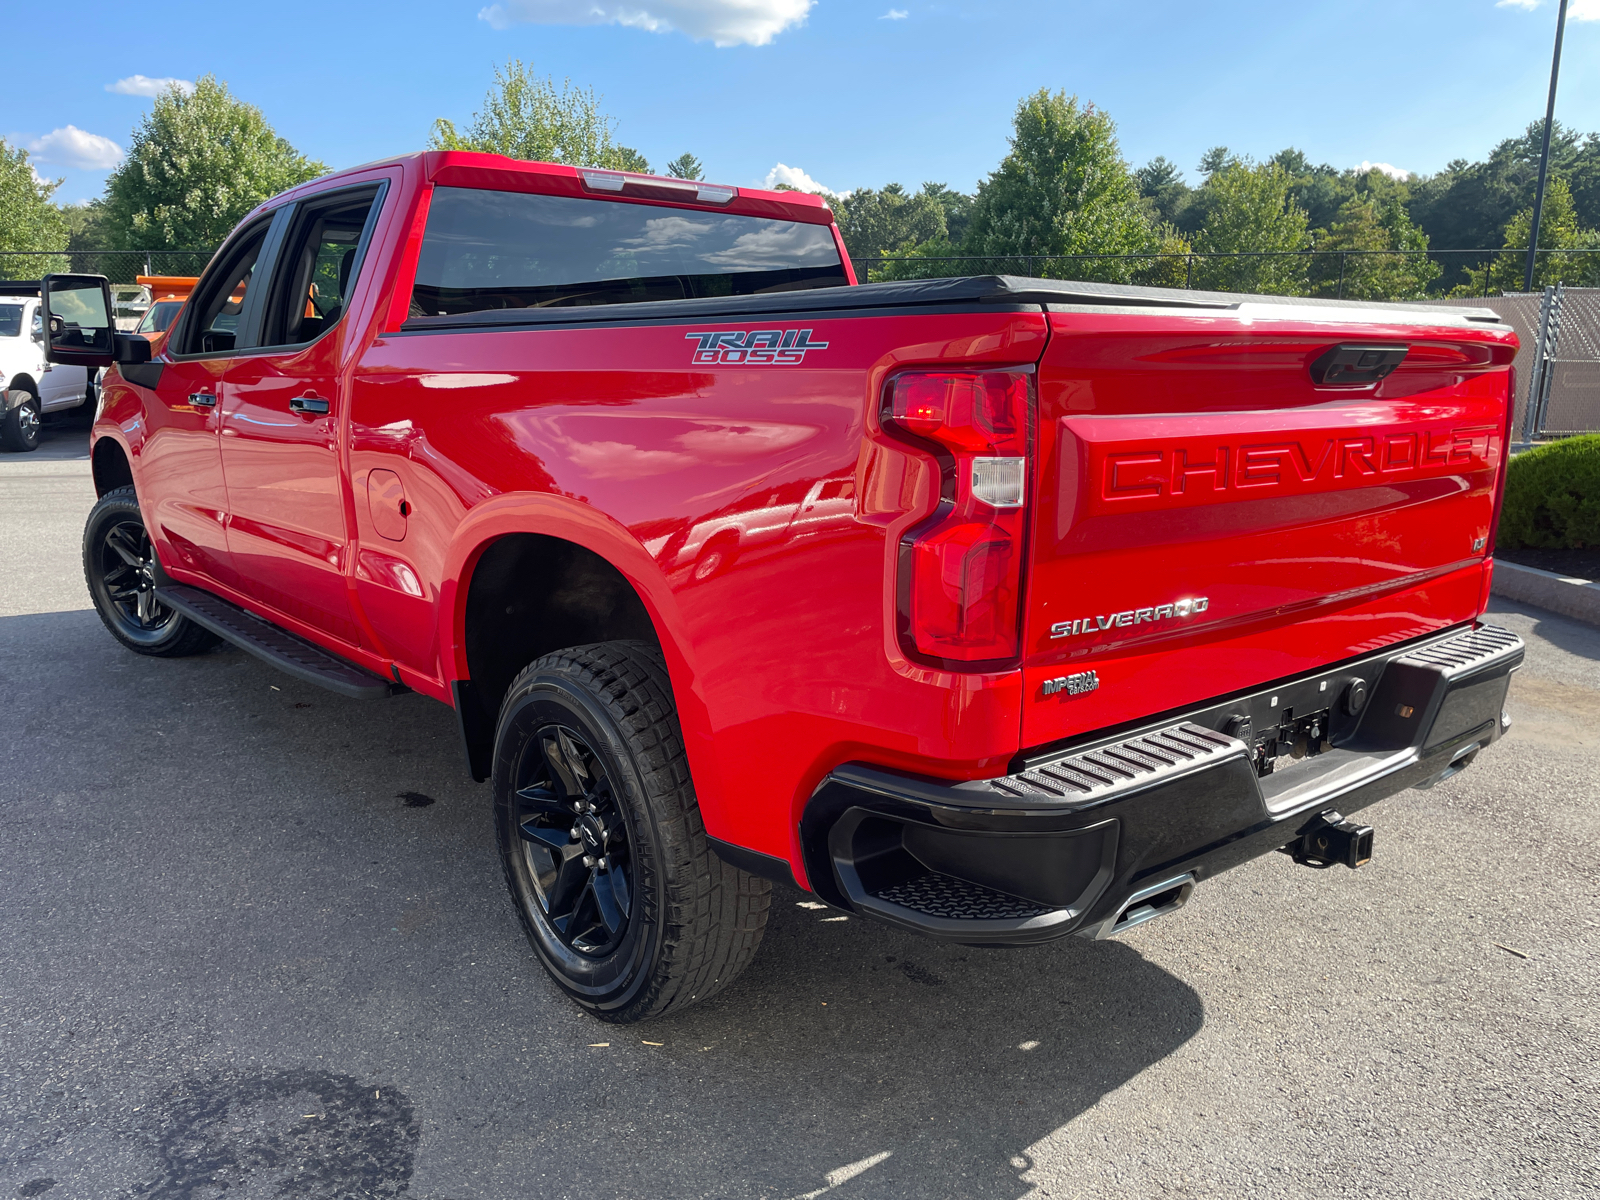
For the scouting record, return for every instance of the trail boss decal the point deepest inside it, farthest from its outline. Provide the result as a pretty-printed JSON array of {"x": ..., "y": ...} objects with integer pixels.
[
  {"x": 1132, "y": 616},
  {"x": 756, "y": 347}
]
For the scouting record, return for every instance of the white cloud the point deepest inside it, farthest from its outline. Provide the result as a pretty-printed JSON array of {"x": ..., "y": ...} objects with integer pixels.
[
  {"x": 722, "y": 22},
  {"x": 1525, "y": 5},
  {"x": 895, "y": 14},
  {"x": 1393, "y": 172},
  {"x": 73, "y": 147},
  {"x": 143, "y": 85},
  {"x": 796, "y": 178}
]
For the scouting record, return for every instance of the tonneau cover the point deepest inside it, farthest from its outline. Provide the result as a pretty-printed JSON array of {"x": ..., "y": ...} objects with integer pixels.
[{"x": 963, "y": 291}]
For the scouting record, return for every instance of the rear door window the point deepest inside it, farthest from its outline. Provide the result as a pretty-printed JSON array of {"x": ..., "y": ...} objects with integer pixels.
[
  {"x": 318, "y": 266},
  {"x": 491, "y": 250}
]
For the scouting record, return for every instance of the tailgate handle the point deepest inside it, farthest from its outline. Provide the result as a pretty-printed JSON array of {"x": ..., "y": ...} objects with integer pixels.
[
  {"x": 1356, "y": 366},
  {"x": 202, "y": 399}
]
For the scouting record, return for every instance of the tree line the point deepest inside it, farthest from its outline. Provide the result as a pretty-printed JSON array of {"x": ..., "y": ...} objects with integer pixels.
[
  {"x": 199, "y": 161},
  {"x": 1064, "y": 189}
]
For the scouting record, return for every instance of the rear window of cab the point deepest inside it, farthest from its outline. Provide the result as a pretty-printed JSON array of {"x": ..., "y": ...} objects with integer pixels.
[
  {"x": 10, "y": 320},
  {"x": 495, "y": 250}
]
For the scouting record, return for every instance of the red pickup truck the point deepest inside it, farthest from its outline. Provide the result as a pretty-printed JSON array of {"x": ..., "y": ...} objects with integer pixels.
[{"x": 998, "y": 609}]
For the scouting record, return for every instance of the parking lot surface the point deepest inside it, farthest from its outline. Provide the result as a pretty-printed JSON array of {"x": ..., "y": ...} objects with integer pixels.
[{"x": 257, "y": 944}]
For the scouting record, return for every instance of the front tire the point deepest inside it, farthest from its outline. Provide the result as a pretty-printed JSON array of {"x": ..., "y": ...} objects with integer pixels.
[
  {"x": 119, "y": 566},
  {"x": 19, "y": 428},
  {"x": 623, "y": 899}
]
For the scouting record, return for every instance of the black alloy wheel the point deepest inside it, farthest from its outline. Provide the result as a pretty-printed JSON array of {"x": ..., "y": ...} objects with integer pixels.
[
  {"x": 575, "y": 840},
  {"x": 623, "y": 899},
  {"x": 119, "y": 565},
  {"x": 128, "y": 569}
]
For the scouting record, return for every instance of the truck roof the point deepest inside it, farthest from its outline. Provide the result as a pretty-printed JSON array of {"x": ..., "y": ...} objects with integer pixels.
[{"x": 495, "y": 172}]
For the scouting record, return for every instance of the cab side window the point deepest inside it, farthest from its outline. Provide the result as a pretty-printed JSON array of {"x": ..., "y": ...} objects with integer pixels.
[
  {"x": 212, "y": 326},
  {"x": 317, "y": 268}
]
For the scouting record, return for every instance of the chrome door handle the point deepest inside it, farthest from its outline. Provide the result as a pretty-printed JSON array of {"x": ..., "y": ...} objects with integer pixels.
[
  {"x": 308, "y": 404},
  {"x": 202, "y": 399}
]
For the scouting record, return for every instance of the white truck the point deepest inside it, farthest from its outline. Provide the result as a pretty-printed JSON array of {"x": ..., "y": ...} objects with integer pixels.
[{"x": 30, "y": 387}]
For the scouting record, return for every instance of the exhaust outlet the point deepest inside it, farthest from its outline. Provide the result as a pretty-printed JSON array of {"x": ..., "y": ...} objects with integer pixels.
[{"x": 1146, "y": 904}]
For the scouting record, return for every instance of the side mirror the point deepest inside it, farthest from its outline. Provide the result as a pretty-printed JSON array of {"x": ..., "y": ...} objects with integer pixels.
[
  {"x": 78, "y": 325},
  {"x": 78, "y": 328}
]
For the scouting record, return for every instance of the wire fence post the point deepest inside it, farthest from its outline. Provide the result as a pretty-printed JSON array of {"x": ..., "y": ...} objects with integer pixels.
[
  {"x": 1188, "y": 272},
  {"x": 1543, "y": 352},
  {"x": 1342, "y": 257}
]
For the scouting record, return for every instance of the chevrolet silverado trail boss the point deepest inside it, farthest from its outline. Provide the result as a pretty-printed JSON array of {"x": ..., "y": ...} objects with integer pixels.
[{"x": 998, "y": 609}]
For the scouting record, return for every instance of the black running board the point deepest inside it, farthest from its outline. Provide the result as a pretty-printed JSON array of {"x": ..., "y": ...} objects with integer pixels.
[{"x": 292, "y": 655}]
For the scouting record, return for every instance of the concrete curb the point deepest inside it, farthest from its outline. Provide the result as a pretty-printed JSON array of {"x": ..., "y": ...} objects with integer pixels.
[{"x": 1576, "y": 598}]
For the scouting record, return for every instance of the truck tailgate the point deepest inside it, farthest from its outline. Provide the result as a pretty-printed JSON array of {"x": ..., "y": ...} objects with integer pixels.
[{"x": 1208, "y": 518}]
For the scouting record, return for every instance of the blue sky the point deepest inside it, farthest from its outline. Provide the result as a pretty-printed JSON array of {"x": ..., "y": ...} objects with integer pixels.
[{"x": 851, "y": 94}]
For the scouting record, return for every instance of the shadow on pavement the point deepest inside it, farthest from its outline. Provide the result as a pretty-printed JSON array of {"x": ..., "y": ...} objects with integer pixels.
[
  {"x": 1574, "y": 637},
  {"x": 255, "y": 898}
]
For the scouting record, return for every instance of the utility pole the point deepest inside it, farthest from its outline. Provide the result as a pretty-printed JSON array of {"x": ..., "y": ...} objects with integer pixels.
[{"x": 1544, "y": 155}]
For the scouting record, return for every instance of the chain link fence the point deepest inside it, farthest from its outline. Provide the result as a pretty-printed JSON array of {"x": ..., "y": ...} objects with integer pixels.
[{"x": 119, "y": 266}]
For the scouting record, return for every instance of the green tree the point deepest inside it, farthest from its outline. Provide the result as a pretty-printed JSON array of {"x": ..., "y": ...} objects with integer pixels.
[
  {"x": 28, "y": 221},
  {"x": 1064, "y": 189},
  {"x": 1252, "y": 212},
  {"x": 197, "y": 164},
  {"x": 1163, "y": 189},
  {"x": 686, "y": 166},
  {"x": 956, "y": 206},
  {"x": 1218, "y": 158},
  {"x": 1559, "y": 229},
  {"x": 1368, "y": 225},
  {"x": 526, "y": 117},
  {"x": 890, "y": 221}
]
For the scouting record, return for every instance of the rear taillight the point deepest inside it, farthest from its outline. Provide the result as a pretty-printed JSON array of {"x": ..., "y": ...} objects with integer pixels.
[
  {"x": 960, "y": 583},
  {"x": 1505, "y": 460}
]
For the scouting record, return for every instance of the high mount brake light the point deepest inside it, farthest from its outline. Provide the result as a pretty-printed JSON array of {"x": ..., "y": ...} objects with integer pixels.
[
  {"x": 960, "y": 574},
  {"x": 650, "y": 185}
]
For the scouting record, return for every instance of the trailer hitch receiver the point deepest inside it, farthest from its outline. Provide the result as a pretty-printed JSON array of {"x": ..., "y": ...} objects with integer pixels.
[{"x": 1331, "y": 840}]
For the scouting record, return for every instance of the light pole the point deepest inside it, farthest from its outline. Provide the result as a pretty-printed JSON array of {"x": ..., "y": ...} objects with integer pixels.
[{"x": 1544, "y": 154}]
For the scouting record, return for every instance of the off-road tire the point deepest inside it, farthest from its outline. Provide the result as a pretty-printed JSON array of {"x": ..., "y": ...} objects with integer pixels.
[
  {"x": 168, "y": 634},
  {"x": 20, "y": 426},
  {"x": 695, "y": 921}
]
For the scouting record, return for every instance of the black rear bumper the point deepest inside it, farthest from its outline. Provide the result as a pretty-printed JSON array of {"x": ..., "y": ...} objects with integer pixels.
[{"x": 1096, "y": 837}]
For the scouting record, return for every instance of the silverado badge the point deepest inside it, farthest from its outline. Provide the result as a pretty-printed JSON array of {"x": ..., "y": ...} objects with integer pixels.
[{"x": 1132, "y": 616}]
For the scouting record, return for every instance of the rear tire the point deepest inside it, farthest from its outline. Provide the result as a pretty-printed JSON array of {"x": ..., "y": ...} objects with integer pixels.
[
  {"x": 19, "y": 428},
  {"x": 119, "y": 567},
  {"x": 623, "y": 899}
]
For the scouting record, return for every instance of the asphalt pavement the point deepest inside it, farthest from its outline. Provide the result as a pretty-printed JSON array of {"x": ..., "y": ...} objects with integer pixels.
[{"x": 256, "y": 944}]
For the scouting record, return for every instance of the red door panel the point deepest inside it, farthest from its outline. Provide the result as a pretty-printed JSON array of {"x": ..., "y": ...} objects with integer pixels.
[
  {"x": 286, "y": 509},
  {"x": 180, "y": 469}
]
